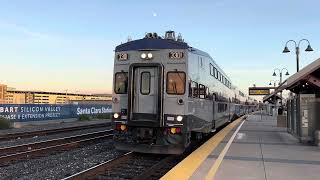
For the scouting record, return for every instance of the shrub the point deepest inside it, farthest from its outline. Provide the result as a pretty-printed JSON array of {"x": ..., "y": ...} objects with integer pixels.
[
  {"x": 84, "y": 117},
  {"x": 103, "y": 116},
  {"x": 4, "y": 123}
]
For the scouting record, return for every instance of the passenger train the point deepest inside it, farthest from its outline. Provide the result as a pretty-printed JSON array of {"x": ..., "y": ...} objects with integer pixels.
[{"x": 166, "y": 93}]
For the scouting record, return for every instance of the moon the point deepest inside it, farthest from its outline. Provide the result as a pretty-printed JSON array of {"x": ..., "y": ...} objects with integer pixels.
[{"x": 154, "y": 14}]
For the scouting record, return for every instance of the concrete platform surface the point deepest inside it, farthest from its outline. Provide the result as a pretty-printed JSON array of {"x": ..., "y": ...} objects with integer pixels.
[{"x": 260, "y": 151}]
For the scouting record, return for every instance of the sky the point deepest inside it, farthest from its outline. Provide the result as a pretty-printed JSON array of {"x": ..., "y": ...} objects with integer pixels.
[{"x": 59, "y": 45}]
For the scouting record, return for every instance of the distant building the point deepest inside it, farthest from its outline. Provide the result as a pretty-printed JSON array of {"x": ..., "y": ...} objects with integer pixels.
[
  {"x": 3, "y": 92},
  {"x": 12, "y": 96}
]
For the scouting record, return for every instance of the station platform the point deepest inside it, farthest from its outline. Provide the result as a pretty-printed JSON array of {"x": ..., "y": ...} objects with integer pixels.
[{"x": 252, "y": 147}]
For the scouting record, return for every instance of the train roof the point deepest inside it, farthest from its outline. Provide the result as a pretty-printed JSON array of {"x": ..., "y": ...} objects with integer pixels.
[
  {"x": 153, "y": 43},
  {"x": 150, "y": 44}
]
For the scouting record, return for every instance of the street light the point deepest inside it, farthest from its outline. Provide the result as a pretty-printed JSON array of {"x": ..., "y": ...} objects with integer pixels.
[
  {"x": 274, "y": 82},
  {"x": 280, "y": 72},
  {"x": 297, "y": 46}
]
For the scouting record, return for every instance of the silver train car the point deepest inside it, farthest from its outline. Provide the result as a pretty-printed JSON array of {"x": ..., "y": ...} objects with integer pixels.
[{"x": 166, "y": 93}]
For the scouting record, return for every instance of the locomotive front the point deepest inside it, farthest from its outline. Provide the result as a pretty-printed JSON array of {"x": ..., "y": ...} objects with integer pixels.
[{"x": 150, "y": 95}]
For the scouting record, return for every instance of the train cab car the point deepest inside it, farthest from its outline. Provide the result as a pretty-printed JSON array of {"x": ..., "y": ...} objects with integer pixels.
[{"x": 165, "y": 93}]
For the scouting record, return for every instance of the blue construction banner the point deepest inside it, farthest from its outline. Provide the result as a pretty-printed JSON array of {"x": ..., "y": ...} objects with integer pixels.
[{"x": 38, "y": 112}]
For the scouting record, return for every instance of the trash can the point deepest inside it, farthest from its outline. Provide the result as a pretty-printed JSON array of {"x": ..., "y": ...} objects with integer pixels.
[
  {"x": 317, "y": 138},
  {"x": 280, "y": 110}
]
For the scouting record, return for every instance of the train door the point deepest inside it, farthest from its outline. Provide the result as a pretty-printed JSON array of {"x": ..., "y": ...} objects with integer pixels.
[{"x": 146, "y": 94}]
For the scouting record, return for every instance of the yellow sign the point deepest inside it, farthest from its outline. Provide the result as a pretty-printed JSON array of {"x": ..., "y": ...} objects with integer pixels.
[{"x": 257, "y": 91}]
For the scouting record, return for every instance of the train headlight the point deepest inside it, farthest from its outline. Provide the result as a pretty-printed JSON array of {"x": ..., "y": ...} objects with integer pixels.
[
  {"x": 179, "y": 118},
  {"x": 116, "y": 115},
  {"x": 143, "y": 55},
  {"x": 150, "y": 55}
]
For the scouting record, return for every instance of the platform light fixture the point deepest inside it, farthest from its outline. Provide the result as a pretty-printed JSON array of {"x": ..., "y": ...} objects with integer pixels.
[
  {"x": 280, "y": 75},
  {"x": 297, "y": 49},
  {"x": 274, "y": 82}
]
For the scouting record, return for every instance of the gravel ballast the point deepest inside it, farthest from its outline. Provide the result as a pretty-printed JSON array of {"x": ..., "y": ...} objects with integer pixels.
[
  {"x": 48, "y": 137},
  {"x": 61, "y": 165}
]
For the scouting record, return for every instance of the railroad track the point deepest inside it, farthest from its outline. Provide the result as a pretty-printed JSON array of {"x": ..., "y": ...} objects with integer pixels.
[
  {"x": 25, "y": 151},
  {"x": 136, "y": 165},
  {"x": 6, "y": 137},
  {"x": 129, "y": 166}
]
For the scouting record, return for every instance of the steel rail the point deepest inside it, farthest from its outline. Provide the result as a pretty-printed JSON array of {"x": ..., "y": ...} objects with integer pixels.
[
  {"x": 21, "y": 135},
  {"x": 153, "y": 169},
  {"x": 50, "y": 142},
  {"x": 54, "y": 145},
  {"x": 117, "y": 163},
  {"x": 100, "y": 168}
]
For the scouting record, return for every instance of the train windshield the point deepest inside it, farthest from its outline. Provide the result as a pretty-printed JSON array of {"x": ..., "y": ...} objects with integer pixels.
[
  {"x": 121, "y": 83},
  {"x": 176, "y": 82}
]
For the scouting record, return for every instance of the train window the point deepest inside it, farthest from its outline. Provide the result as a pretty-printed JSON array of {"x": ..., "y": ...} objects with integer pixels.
[
  {"x": 211, "y": 69},
  {"x": 193, "y": 89},
  {"x": 176, "y": 82},
  {"x": 190, "y": 88},
  {"x": 202, "y": 91},
  {"x": 121, "y": 83},
  {"x": 215, "y": 72},
  {"x": 222, "y": 107},
  {"x": 145, "y": 82},
  {"x": 207, "y": 93}
]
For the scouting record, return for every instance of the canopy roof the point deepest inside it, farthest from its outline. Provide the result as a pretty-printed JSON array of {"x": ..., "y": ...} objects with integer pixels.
[{"x": 307, "y": 80}]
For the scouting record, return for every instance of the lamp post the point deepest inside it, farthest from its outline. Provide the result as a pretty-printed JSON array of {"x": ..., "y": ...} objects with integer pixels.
[
  {"x": 297, "y": 47},
  {"x": 280, "y": 74},
  {"x": 274, "y": 82}
]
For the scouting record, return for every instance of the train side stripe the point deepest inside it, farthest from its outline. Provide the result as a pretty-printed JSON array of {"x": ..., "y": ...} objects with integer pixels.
[{"x": 189, "y": 165}]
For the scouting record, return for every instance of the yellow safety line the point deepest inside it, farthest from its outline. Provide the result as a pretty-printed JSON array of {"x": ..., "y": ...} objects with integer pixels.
[
  {"x": 189, "y": 165},
  {"x": 213, "y": 170}
]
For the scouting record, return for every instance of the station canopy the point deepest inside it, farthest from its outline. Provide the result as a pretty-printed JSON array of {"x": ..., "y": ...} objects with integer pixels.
[{"x": 306, "y": 81}]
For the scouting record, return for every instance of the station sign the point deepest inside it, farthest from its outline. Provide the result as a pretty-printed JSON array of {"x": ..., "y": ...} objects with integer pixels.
[
  {"x": 39, "y": 112},
  {"x": 259, "y": 91}
]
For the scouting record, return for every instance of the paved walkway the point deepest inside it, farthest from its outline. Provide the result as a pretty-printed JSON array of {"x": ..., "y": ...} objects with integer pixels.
[{"x": 259, "y": 151}]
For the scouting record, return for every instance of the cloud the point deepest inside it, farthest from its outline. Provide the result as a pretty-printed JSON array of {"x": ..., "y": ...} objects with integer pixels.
[{"x": 23, "y": 30}]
